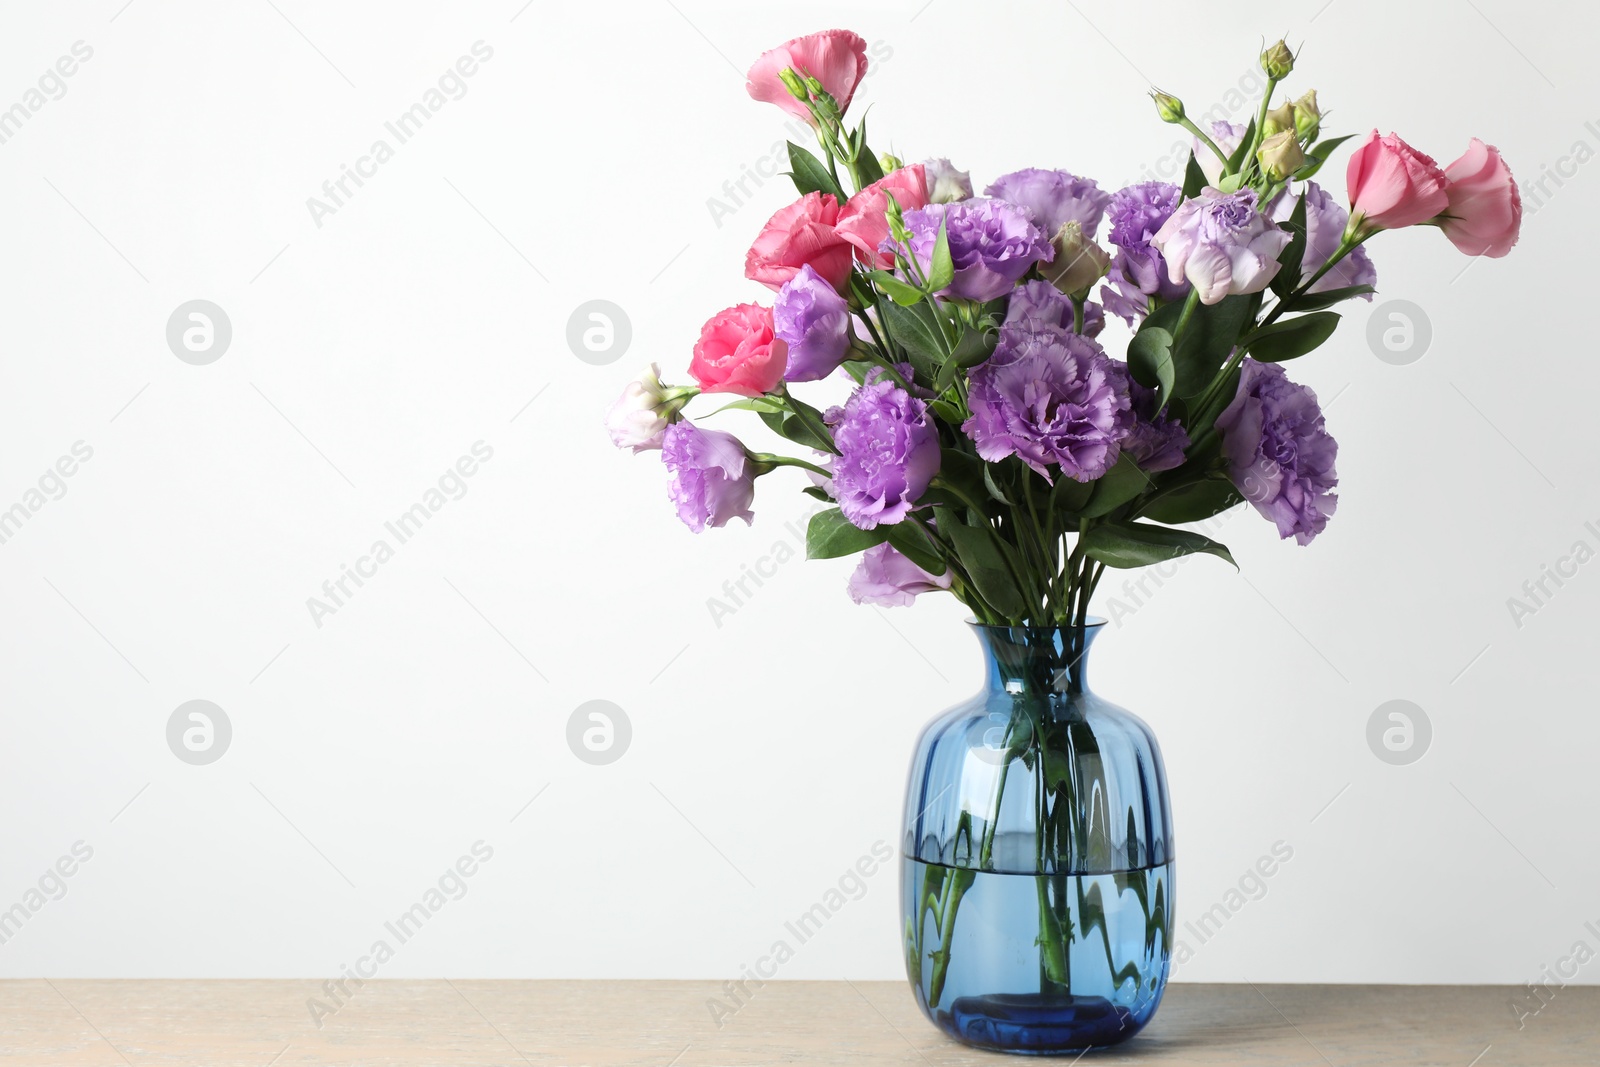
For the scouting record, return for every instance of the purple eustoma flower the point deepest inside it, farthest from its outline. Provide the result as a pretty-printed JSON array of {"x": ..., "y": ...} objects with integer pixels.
[
  {"x": 992, "y": 245},
  {"x": 1220, "y": 244},
  {"x": 1326, "y": 219},
  {"x": 1156, "y": 442},
  {"x": 1280, "y": 456},
  {"x": 888, "y": 453},
  {"x": 1051, "y": 398},
  {"x": 1139, "y": 272},
  {"x": 710, "y": 480},
  {"x": 814, "y": 321},
  {"x": 1039, "y": 301},
  {"x": 1054, "y": 197},
  {"x": 887, "y": 578}
]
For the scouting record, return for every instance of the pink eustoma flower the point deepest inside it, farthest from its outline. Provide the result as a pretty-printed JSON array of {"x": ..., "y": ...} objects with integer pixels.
[
  {"x": 1392, "y": 185},
  {"x": 836, "y": 58},
  {"x": 802, "y": 233},
  {"x": 864, "y": 221},
  {"x": 1485, "y": 214},
  {"x": 738, "y": 353}
]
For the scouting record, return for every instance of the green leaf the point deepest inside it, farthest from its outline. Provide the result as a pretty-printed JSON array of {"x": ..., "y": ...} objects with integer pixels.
[
  {"x": 917, "y": 331},
  {"x": 1207, "y": 339},
  {"x": 816, "y": 492},
  {"x": 1140, "y": 544},
  {"x": 790, "y": 428},
  {"x": 867, "y": 166},
  {"x": 810, "y": 175},
  {"x": 1329, "y": 297},
  {"x": 1292, "y": 338},
  {"x": 941, "y": 268},
  {"x": 984, "y": 557},
  {"x": 1070, "y": 496},
  {"x": 754, "y": 403},
  {"x": 947, "y": 411},
  {"x": 1116, "y": 487},
  {"x": 1150, "y": 359},
  {"x": 1194, "y": 178},
  {"x": 1240, "y": 154},
  {"x": 1288, "y": 276},
  {"x": 830, "y": 535},
  {"x": 910, "y": 538},
  {"x": 1318, "y": 156},
  {"x": 901, "y": 292},
  {"x": 1194, "y": 502},
  {"x": 811, "y": 419},
  {"x": 994, "y": 487}
]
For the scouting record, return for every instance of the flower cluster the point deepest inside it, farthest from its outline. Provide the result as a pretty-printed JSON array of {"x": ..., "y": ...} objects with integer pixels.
[{"x": 994, "y": 443}]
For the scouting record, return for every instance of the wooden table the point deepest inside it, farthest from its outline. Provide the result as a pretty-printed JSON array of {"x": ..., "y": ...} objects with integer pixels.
[{"x": 668, "y": 1024}]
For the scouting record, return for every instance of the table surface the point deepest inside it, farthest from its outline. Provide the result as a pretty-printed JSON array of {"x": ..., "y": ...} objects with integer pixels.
[{"x": 442, "y": 1023}]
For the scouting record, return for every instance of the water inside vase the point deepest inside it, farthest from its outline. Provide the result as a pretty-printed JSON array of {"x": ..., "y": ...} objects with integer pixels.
[{"x": 1037, "y": 963}]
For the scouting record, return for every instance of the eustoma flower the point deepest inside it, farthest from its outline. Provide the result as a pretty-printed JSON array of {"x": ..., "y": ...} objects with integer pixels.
[
  {"x": 1157, "y": 441},
  {"x": 863, "y": 220},
  {"x": 1227, "y": 136},
  {"x": 1139, "y": 272},
  {"x": 1392, "y": 185},
  {"x": 887, "y": 578},
  {"x": 1326, "y": 220},
  {"x": 1053, "y": 399},
  {"x": 636, "y": 419},
  {"x": 888, "y": 453},
  {"x": 738, "y": 352},
  {"x": 1485, "y": 214},
  {"x": 1220, "y": 244},
  {"x": 1041, "y": 302},
  {"x": 946, "y": 185},
  {"x": 836, "y": 58},
  {"x": 1280, "y": 456},
  {"x": 992, "y": 245},
  {"x": 1054, "y": 197},
  {"x": 796, "y": 236},
  {"x": 814, "y": 322},
  {"x": 710, "y": 479}
]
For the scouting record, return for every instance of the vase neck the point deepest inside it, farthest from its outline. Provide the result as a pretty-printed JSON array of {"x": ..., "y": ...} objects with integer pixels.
[{"x": 1038, "y": 659}]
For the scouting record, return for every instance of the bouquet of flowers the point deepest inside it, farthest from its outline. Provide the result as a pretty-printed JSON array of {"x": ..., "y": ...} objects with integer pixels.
[{"x": 992, "y": 448}]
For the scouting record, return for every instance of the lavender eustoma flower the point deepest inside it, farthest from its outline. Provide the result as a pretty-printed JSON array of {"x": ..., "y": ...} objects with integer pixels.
[
  {"x": 1040, "y": 301},
  {"x": 1326, "y": 219},
  {"x": 710, "y": 481},
  {"x": 812, "y": 318},
  {"x": 888, "y": 453},
  {"x": 992, "y": 244},
  {"x": 1220, "y": 244},
  {"x": 887, "y": 578},
  {"x": 1280, "y": 455},
  {"x": 1052, "y": 398},
  {"x": 1055, "y": 197},
  {"x": 1139, "y": 272},
  {"x": 1156, "y": 442}
]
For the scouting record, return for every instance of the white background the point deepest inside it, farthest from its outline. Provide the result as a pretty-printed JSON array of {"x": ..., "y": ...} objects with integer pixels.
[{"x": 768, "y": 754}]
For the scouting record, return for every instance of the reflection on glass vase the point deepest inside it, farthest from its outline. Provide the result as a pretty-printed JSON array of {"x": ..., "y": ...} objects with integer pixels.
[{"x": 1037, "y": 879}]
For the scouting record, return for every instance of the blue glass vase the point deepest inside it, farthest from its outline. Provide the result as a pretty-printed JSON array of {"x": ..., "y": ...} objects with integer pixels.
[{"x": 1036, "y": 884}]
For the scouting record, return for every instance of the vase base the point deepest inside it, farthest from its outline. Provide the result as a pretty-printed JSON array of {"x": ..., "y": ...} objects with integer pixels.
[{"x": 1038, "y": 1024}]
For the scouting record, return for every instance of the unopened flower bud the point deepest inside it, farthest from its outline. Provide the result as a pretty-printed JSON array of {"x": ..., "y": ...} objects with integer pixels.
[
  {"x": 793, "y": 83},
  {"x": 889, "y": 163},
  {"x": 1278, "y": 119},
  {"x": 1306, "y": 116},
  {"x": 1078, "y": 262},
  {"x": 1280, "y": 156},
  {"x": 1169, "y": 107},
  {"x": 1277, "y": 61}
]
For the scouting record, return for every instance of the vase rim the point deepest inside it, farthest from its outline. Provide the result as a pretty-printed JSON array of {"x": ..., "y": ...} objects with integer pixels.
[{"x": 1093, "y": 622}]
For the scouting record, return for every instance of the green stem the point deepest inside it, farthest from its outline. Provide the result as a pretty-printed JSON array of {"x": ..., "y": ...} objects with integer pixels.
[
  {"x": 767, "y": 459},
  {"x": 1249, "y": 163}
]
